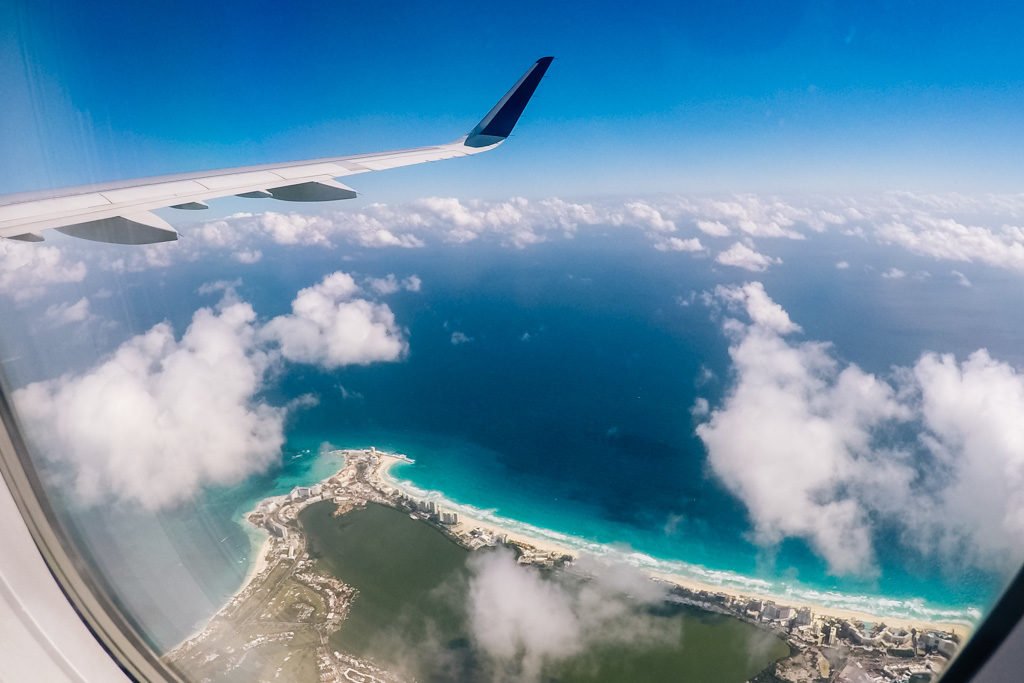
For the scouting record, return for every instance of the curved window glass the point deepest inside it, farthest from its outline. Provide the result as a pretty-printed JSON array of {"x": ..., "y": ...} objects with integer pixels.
[{"x": 696, "y": 357}]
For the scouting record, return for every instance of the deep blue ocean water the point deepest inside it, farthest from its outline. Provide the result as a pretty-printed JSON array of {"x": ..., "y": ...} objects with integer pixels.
[{"x": 569, "y": 409}]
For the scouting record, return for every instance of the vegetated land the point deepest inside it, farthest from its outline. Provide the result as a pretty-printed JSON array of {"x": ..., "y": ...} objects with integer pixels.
[
  {"x": 410, "y": 612},
  {"x": 361, "y": 582}
]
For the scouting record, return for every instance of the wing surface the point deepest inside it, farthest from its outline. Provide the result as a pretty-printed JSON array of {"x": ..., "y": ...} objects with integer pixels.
[{"x": 121, "y": 212}]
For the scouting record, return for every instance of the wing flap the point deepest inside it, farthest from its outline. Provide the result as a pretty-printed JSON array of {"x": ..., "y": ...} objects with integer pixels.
[
  {"x": 141, "y": 228},
  {"x": 325, "y": 190}
]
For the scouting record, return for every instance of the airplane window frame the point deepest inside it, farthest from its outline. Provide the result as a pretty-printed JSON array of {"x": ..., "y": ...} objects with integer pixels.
[{"x": 84, "y": 590}]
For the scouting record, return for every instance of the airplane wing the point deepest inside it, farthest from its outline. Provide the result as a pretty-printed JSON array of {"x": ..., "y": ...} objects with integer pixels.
[{"x": 121, "y": 212}]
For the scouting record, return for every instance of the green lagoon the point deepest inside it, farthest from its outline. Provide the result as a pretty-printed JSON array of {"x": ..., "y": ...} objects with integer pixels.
[{"x": 410, "y": 614}]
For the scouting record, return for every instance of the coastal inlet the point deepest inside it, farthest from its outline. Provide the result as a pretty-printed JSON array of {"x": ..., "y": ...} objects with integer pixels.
[{"x": 361, "y": 580}]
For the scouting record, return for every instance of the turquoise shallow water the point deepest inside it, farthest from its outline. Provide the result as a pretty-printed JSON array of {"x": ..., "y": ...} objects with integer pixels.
[{"x": 480, "y": 490}]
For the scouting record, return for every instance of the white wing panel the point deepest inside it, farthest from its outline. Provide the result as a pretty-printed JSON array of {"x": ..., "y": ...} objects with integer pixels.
[
  {"x": 156, "y": 191},
  {"x": 328, "y": 170},
  {"x": 11, "y": 213},
  {"x": 233, "y": 182},
  {"x": 117, "y": 209}
]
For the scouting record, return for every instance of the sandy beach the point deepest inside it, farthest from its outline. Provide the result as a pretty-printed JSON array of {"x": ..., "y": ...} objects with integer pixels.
[
  {"x": 515, "y": 533},
  {"x": 258, "y": 563}
]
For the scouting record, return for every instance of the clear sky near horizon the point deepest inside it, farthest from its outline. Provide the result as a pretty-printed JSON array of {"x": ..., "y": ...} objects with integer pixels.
[{"x": 707, "y": 96}]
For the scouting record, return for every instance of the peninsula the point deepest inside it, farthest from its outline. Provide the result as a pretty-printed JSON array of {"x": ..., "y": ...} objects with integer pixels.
[{"x": 277, "y": 626}]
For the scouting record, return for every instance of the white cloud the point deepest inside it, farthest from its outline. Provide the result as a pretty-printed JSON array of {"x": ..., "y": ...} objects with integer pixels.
[
  {"x": 842, "y": 265},
  {"x": 27, "y": 269},
  {"x": 295, "y": 228},
  {"x": 62, "y": 314},
  {"x": 524, "y": 620},
  {"x": 218, "y": 286},
  {"x": 241, "y": 230},
  {"x": 971, "y": 412},
  {"x": 701, "y": 407},
  {"x": 961, "y": 278},
  {"x": 413, "y": 283},
  {"x": 948, "y": 239},
  {"x": 329, "y": 326},
  {"x": 649, "y": 217},
  {"x": 460, "y": 338},
  {"x": 678, "y": 244},
  {"x": 390, "y": 284},
  {"x": 515, "y": 222},
  {"x": 248, "y": 256},
  {"x": 349, "y": 395},
  {"x": 894, "y": 274},
  {"x": 807, "y": 444},
  {"x": 740, "y": 255},
  {"x": 758, "y": 217},
  {"x": 753, "y": 300},
  {"x": 161, "y": 416},
  {"x": 981, "y": 229},
  {"x": 714, "y": 228}
]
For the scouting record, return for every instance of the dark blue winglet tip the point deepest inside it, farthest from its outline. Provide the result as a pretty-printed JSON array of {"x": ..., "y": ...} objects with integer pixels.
[{"x": 500, "y": 121}]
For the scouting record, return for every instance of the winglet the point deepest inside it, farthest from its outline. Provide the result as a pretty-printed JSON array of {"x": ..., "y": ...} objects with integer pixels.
[{"x": 500, "y": 121}]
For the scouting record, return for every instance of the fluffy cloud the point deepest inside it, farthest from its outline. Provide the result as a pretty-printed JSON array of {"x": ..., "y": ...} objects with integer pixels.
[
  {"x": 980, "y": 229},
  {"x": 331, "y": 327},
  {"x": 757, "y": 217},
  {"x": 459, "y": 338},
  {"x": 894, "y": 274},
  {"x": 248, "y": 256},
  {"x": 647, "y": 215},
  {"x": 62, "y": 314},
  {"x": 948, "y": 239},
  {"x": 516, "y": 222},
  {"x": 794, "y": 428},
  {"x": 714, "y": 228},
  {"x": 27, "y": 269},
  {"x": 240, "y": 231},
  {"x": 741, "y": 255},
  {"x": 811, "y": 446},
  {"x": 678, "y": 244},
  {"x": 162, "y": 416},
  {"x": 762, "y": 310},
  {"x": 971, "y": 413},
  {"x": 523, "y": 620},
  {"x": 390, "y": 284}
]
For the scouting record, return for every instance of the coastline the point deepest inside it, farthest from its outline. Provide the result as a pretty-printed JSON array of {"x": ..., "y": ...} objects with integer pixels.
[
  {"x": 283, "y": 571},
  {"x": 521, "y": 534},
  {"x": 258, "y": 562},
  {"x": 541, "y": 539}
]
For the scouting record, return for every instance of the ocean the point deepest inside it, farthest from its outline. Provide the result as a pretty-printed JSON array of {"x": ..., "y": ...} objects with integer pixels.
[{"x": 566, "y": 406}]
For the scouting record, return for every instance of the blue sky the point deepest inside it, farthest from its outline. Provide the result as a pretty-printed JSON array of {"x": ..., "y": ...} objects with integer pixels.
[{"x": 714, "y": 96}]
